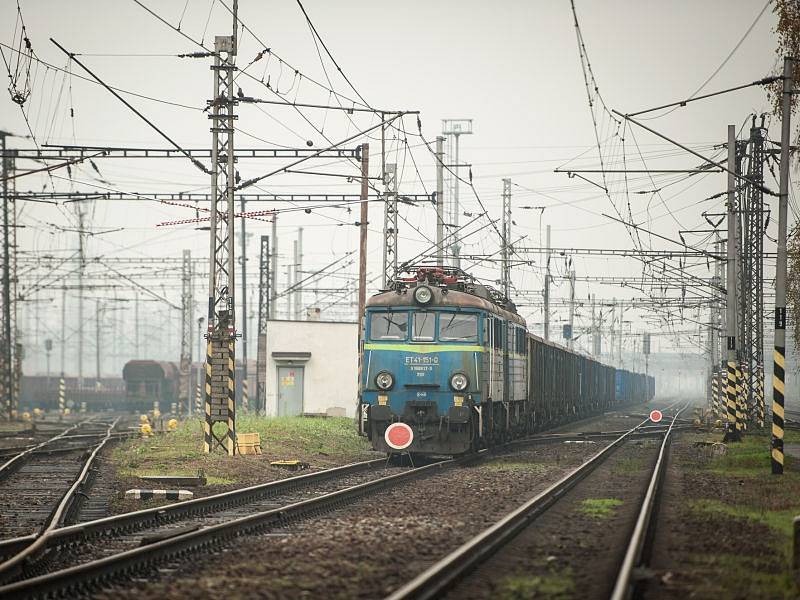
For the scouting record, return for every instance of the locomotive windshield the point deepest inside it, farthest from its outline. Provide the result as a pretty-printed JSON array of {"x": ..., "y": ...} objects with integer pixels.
[
  {"x": 388, "y": 325},
  {"x": 458, "y": 328},
  {"x": 424, "y": 326}
]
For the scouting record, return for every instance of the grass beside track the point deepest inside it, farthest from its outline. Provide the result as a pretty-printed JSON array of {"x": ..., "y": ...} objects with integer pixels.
[
  {"x": 319, "y": 442},
  {"x": 752, "y": 512}
]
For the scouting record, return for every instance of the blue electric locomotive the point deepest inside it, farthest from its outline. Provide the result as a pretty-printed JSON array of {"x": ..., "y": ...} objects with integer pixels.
[
  {"x": 437, "y": 350},
  {"x": 448, "y": 366}
]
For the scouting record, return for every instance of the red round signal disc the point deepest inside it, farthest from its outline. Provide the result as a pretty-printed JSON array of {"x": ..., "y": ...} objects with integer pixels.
[
  {"x": 656, "y": 416},
  {"x": 398, "y": 436}
]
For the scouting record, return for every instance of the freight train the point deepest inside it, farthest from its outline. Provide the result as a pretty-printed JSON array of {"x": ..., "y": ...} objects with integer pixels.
[{"x": 448, "y": 366}]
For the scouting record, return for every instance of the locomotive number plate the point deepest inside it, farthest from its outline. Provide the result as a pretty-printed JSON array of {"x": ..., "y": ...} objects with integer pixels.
[{"x": 422, "y": 369}]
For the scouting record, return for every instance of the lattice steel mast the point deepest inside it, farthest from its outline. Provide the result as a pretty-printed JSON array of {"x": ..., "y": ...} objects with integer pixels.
[
  {"x": 750, "y": 262},
  {"x": 264, "y": 296},
  {"x": 390, "y": 225},
  {"x": 187, "y": 327},
  {"x": 6, "y": 340},
  {"x": 506, "y": 251},
  {"x": 220, "y": 399}
]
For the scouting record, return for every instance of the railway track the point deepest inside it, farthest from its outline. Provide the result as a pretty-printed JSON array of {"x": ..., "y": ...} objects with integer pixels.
[
  {"x": 39, "y": 484},
  {"x": 193, "y": 525},
  {"x": 72, "y": 560},
  {"x": 457, "y": 567}
]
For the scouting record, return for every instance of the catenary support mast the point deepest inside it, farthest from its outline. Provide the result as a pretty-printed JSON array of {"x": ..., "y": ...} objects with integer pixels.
[
  {"x": 264, "y": 311},
  {"x": 733, "y": 433},
  {"x": 220, "y": 404},
  {"x": 187, "y": 327},
  {"x": 779, "y": 367}
]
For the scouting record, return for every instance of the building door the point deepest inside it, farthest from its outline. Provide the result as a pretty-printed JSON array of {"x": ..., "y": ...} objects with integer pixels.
[{"x": 290, "y": 391}]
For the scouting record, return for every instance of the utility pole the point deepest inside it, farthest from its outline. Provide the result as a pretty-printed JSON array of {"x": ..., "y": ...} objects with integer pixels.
[
  {"x": 506, "y": 252},
  {"x": 361, "y": 414},
  {"x": 273, "y": 270},
  {"x": 98, "y": 309},
  {"x": 594, "y": 329},
  {"x": 291, "y": 304},
  {"x": 264, "y": 310},
  {"x": 298, "y": 277},
  {"x": 64, "y": 329},
  {"x": 734, "y": 425},
  {"x": 611, "y": 330},
  {"x": 571, "y": 309},
  {"x": 547, "y": 290},
  {"x": 221, "y": 349},
  {"x": 362, "y": 236},
  {"x": 243, "y": 262},
  {"x": 187, "y": 325},
  {"x": 389, "y": 226},
  {"x": 6, "y": 353},
  {"x": 81, "y": 266},
  {"x": 720, "y": 323},
  {"x": 136, "y": 324},
  {"x": 440, "y": 201},
  {"x": 455, "y": 128},
  {"x": 779, "y": 367},
  {"x": 619, "y": 347}
]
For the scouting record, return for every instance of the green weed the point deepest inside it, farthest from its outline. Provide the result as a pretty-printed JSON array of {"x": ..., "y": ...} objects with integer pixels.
[
  {"x": 599, "y": 508},
  {"x": 556, "y": 586}
]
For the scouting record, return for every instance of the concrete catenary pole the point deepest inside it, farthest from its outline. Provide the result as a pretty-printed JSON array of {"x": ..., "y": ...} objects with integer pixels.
[
  {"x": 298, "y": 277},
  {"x": 594, "y": 329},
  {"x": 779, "y": 367},
  {"x": 362, "y": 233},
  {"x": 273, "y": 273},
  {"x": 362, "y": 278},
  {"x": 547, "y": 290},
  {"x": 290, "y": 300},
  {"x": 734, "y": 427},
  {"x": 243, "y": 296}
]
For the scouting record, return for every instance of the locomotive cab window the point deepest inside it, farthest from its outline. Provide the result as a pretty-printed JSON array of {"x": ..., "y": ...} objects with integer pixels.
[
  {"x": 388, "y": 325},
  {"x": 424, "y": 328},
  {"x": 498, "y": 333},
  {"x": 457, "y": 327}
]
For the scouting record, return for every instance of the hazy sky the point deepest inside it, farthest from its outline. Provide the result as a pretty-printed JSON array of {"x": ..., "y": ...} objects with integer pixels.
[{"x": 511, "y": 66}]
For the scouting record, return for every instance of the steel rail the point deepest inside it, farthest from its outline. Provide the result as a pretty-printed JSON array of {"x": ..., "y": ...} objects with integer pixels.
[
  {"x": 435, "y": 580},
  {"x": 9, "y": 465},
  {"x": 83, "y": 577},
  {"x": 61, "y": 511},
  {"x": 641, "y": 536},
  {"x": 152, "y": 517},
  {"x": 160, "y": 515}
]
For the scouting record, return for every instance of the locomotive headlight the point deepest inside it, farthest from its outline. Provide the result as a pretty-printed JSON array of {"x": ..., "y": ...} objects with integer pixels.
[
  {"x": 423, "y": 295},
  {"x": 384, "y": 380},
  {"x": 459, "y": 382}
]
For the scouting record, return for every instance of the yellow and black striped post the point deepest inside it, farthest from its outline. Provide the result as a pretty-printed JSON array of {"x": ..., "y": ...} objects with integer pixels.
[
  {"x": 231, "y": 437},
  {"x": 62, "y": 394},
  {"x": 760, "y": 398},
  {"x": 781, "y": 268},
  {"x": 741, "y": 410},
  {"x": 733, "y": 434},
  {"x": 723, "y": 393},
  {"x": 245, "y": 397},
  {"x": 198, "y": 399},
  {"x": 714, "y": 394},
  {"x": 778, "y": 381},
  {"x": 208, "y": 423}
]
